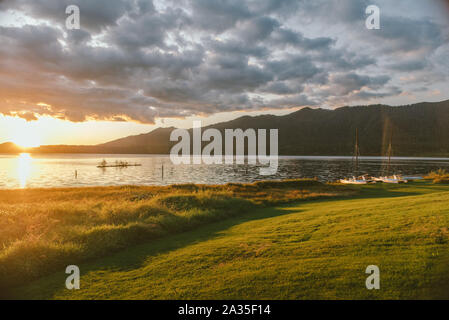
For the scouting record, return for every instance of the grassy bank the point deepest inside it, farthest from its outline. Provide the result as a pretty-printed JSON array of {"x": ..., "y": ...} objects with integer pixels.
[
  {"x": 303, "y": 250},
  {"x": 44, "y": 230}
]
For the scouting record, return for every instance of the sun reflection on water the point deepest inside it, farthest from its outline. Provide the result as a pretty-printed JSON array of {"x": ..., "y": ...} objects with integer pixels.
[{"x": 24, "y": 168}]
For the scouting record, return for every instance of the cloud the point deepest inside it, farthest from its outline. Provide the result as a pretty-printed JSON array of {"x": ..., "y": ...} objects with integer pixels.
[
  {"x": 136, "y": 60},
  {"x": 218, "y": 16},
  {"x": 96, "y": 15},
  {"x": 411, "y": 65},
  {"x": 400, "y": 34}
]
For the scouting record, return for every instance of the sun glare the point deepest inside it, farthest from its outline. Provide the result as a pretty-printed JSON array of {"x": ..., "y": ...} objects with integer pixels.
[
  {"x": 26, "y": 141},
  {"x": 26, "y": 136},
  {"x": 24, "y": 168}
]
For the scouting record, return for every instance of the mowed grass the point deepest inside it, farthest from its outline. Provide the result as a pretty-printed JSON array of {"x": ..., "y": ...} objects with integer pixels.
[
  {"x": 44, "y": 230},
  {"x": 308, "y": 250}
]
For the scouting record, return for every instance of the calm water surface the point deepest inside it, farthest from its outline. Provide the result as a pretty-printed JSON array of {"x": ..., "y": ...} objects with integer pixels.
[{"x": 43, "y": 171}]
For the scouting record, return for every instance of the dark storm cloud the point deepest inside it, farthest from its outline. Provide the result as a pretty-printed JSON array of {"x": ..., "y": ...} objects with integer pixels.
[
  {"x": 281, "y": 7},
  {"x": 96, "y": 14},
  {"x": 237, "y": 47},
  {"x": 218, "y": 16},
  {"x": 295, "y": 100},
  {"x": 344, "y": 60},
  {"x": 257, "y": 29},
  {"x": 332, "y": 11},
  {"x": 377, "y": 95},
  {"x": 401, "y": 34},
  {"x": 293, "y": 67},
  {"x": 352, "y": 80},
  {"x": 281, "y": 88},
  {"x": 149, "y": 30},
  {"x": 138, "y": 60},
  {"x": 286, "y": 37},
  {"x": 412, "y": 65}
]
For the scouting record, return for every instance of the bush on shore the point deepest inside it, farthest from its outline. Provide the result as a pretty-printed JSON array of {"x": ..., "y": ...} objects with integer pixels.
[{"x": 439, "y": 176}]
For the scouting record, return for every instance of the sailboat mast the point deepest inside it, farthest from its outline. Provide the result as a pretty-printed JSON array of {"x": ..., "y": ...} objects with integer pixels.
[
  {"x": 356, "y": 150},
  {"x": 390, "y": 151}
]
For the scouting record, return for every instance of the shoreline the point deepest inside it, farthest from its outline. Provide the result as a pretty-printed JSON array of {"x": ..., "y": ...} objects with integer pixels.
[{"x": 283, "y": 156}]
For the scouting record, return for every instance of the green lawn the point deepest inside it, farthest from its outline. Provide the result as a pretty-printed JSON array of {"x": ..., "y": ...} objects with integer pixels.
[{"x": 314, "y": 249}]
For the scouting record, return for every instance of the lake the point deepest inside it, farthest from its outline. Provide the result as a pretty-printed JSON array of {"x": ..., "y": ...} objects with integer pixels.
[{"x": 43, "y": 171}]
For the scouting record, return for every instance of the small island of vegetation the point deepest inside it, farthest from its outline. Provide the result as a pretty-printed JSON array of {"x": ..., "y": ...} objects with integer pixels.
[{"x": 117, "y": 164}]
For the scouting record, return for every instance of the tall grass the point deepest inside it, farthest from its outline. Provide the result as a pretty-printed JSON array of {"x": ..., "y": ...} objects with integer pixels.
[
  {"x": 44, "y": 230},
  {"x": 439, "y": 176}
]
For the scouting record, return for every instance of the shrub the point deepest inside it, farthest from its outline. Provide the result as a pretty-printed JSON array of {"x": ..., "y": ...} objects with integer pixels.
[{"x": 439, "y": 176}]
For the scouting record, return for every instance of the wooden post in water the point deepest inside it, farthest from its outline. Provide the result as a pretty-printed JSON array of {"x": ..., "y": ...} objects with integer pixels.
[
  {"x": 162, "y": 172},
  {"x": 76, "y": 174}
]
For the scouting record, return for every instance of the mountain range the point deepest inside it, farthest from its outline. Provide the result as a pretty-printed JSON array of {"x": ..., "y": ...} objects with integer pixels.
[{"x": 420, "y": 129}]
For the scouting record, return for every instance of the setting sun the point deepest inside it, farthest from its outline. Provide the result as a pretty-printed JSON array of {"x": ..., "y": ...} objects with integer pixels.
[
  {"x": 26, "y": 136},
  {"x": 26, "y": 141}
]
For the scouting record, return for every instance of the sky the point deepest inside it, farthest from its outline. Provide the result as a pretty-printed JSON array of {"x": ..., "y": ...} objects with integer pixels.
[{"x": 135, "y": 65}]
